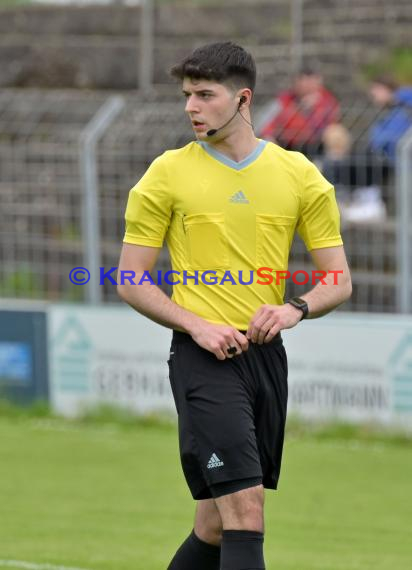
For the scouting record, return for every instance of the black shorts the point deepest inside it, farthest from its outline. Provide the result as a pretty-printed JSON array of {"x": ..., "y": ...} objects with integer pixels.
[{"x": 231, "y": 413}]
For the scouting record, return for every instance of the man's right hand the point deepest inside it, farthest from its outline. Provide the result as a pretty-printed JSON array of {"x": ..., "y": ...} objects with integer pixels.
[{"x": 218, "y": 338}]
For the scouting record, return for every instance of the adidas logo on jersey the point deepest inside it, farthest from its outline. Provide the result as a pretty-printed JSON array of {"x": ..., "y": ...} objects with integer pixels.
[
  {"x": 239, "y": 198},
  {"x": 214, "y": 461}
]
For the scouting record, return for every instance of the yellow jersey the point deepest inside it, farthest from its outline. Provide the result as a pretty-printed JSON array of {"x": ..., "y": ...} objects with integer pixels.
[{"x": 223, "y": 220}]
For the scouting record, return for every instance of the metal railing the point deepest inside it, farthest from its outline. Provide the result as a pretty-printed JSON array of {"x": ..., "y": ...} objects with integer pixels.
[
  {"x": 48, "y": 166},
  {"x": 404, "y": 222}
]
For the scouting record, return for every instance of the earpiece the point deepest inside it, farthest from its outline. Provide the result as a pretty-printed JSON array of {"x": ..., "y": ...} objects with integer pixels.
[{"x": 242, "y": 100}]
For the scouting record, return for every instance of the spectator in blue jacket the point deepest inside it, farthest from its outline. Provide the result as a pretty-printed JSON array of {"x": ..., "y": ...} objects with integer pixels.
[{"x": 396, "y": 104}]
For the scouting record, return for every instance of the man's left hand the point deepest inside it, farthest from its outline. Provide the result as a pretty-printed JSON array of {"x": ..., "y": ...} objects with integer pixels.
[{"x": 270, "y": 319}]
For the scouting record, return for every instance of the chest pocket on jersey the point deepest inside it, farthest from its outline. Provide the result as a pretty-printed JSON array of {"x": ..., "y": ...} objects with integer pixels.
[
  {"x": 273, "y": 240},
  {"x": 206, "y": 241}
]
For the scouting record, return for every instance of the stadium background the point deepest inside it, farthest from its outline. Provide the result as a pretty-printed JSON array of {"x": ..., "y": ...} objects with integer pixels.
[{"x": 85, "y": 105}]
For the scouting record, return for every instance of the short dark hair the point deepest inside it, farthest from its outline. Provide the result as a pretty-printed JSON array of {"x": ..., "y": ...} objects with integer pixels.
[
  {"x": 308, "y": 71},
  {"x": 387, "y": 80},
  {"x": 309, "y": 67},
  {"x": 223, "y": 62}
]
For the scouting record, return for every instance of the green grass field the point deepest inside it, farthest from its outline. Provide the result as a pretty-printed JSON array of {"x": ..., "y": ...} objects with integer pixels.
[{"x": 111, "y": 496}]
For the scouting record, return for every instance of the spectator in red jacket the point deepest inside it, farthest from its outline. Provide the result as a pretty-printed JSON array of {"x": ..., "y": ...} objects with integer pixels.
[{"x": 301, "y": 114}]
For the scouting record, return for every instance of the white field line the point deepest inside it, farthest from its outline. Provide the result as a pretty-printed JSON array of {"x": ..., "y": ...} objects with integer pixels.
[{"x": 33, "y": 566}]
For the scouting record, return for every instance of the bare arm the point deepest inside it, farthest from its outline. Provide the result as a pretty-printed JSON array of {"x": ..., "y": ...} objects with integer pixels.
[
  {"x": 323, "y": 298},
  {"x": 151, "y": 302},
  {"x": 337, "y": 286},
  {"x": 147, "y": 299}
]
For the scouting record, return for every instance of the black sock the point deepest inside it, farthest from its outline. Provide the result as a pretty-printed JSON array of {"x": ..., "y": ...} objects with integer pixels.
[
  {"x": 242, "y": 550},
  {"x": 194, "y": 554}
]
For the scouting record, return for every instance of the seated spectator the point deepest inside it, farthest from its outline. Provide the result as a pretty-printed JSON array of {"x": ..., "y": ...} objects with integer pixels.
[
  {"x": 301, "y": 114},
  {"x": 396, "y": 103},
  {"x": 358, "y": 194},
  {"x": 336, "y": 163}
]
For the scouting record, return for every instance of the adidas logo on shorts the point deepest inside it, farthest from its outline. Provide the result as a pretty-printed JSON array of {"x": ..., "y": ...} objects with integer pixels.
[{"x": 214, "y": 461}]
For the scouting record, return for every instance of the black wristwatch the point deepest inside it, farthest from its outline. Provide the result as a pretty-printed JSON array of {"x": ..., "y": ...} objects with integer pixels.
[{"x": 299, "y": 304}]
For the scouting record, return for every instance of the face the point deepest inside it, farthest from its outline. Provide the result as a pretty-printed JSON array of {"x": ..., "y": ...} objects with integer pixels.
[
  {"x": 380, "y": 94},
  {"x": 209, "y": 105},
  {"x": 307, "y": 84}
]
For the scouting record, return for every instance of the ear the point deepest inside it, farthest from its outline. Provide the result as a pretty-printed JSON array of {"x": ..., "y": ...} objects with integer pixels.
[{"x": 245, "y": 95}]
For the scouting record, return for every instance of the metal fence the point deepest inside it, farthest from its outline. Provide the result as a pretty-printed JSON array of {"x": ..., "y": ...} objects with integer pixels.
[{"x": 68, "y": 160}]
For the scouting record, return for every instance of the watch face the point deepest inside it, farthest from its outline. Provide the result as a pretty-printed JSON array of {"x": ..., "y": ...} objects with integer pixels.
[{"x": 299, "y": 304}]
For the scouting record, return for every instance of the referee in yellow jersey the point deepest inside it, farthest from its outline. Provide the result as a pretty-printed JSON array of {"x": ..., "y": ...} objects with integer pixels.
[{"x": 228, "y": 204}]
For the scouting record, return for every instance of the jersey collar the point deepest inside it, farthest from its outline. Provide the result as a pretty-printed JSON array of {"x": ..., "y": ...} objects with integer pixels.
[{"x": 254, "y": 155}]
